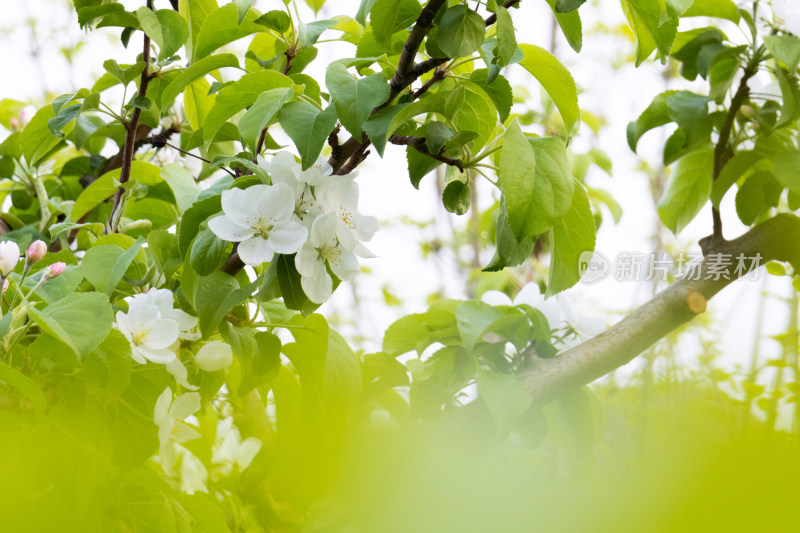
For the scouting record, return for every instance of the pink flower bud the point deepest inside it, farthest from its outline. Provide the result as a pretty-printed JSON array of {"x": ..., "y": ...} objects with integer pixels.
[
  {"x": 14, "y": 123},
  {"x": 36, "y": 251},
  {"x": 54, "y": 270}
]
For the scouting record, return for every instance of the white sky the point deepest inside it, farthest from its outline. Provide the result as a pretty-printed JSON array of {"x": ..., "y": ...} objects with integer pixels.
[{"x": 616, "y": 94}]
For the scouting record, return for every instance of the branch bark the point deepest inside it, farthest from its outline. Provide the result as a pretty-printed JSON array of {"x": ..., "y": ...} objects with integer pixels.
[{"x": 777, "y": 239}]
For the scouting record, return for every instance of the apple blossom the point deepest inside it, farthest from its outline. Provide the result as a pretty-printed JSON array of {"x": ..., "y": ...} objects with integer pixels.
[
  {"x": 340, "y": 196},
  {"x": 260, "y": 219},
  {"x": 168, "y": 416},
  {"x": 55, "y": 269},
  {"x": 152, "y": 326},
  {"x": 323, "y": 247},
  {"x": 9, "y": 257},
  {"x": 285, "y": 169}
]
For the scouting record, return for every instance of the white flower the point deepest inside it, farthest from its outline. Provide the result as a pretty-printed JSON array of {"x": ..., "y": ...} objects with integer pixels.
[
  {"x": 168, "y": 416},
  {"x": 232, "y": 449},
  {"x": 214, "y": 356},
  {"x": 787, "y": 15},
  {"x": 152, "y": 326},
  {"x": 340, "y": 196},
  {"x": 284, "y": 169},
  {"x": 323, "y": 247},
  {"x": 193, "y": 473},
  {"x": 9, "y": 257},
  {"x": 181, "y": 375},
  {"x": 260, "y": 219}
]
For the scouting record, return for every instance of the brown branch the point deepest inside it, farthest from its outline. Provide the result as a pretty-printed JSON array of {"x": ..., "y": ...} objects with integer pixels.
[
  {"x": 491, "y": 19},
  {"x": 722, "y": 151},
  {"x": 420, "y": 144},
  {"x": 131, "y": 131},
  {"x": 438, "y": 75},
  {"x": 776, "y": 239}
]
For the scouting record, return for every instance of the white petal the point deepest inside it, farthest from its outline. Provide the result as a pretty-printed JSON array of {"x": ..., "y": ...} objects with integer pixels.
[
  {"x": 156, "y": 355},
  {"x": 529, "y": 294},
  {"x": 241, "y": 204},
  {"x": 494, "y": 297},
  {"x": 255, "y": 251},
  {"x": 307, "y": 261},
  {"x": 184, "y": 433},
  {"x": 176, "y": 368},
  {"x": 365, "y": 226},
  {"x": 161, "y": 334},
  {"x": 287, "y": 238},
  {"x": 162, "y": 406},
  {"x": 184, "y": 320},
  {"x": 284, "y": 169},
  {"x": 323, "y": 230},
  {"x": 346, "y": 267},
  {"x": 226, "y": 229},
  {"x": 362, "y": 251},
  {"x": 185, "y": 405},
  {"x": 137, "y": 355},
  {"x": 318, "y": 288},
  {"x": 277, "y": 202}
]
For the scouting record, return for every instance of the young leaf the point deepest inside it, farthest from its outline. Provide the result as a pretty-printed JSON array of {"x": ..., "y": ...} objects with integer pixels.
[
  {"x": 557, "y": 81},
  {"x": 571, "y": 236},
  {"x": 222, "y": 27},
  {"x": 196, "y": 71},
  {"x": 688, "y": 189},
  {"x": 651, "y": 32},
  {"x": 262, "y": 112},
  {"x": 355, "y": 98},
  {"x": 166, "y": 27},
  {"x": 390, "y": 16},
  {"x": 81, "y": 320},
  {"x": 570, "y": 24},
  {"x": 308, "y": 127},
  {"x": 506, "y": 39},
  {"x": 460, "y": 32}
]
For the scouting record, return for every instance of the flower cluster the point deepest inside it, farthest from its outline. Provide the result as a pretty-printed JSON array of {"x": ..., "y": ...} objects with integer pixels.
[{"x": 305, "y": 212}]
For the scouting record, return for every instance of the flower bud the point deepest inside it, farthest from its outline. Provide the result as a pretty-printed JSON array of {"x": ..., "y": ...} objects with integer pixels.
[
  {"x": 54, "y": 270},
  {"x": 9, "y": 257},
  {"x": 214, "y": 356},
  {"x": 14, "y": 123},
  {"x": 36, "y": 251},
  {"x": 5, "y": 286}
]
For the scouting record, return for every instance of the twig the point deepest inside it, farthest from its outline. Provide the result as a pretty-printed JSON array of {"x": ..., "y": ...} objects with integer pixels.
[
  {"x": 438, "y": 75},
  {"x": 130, "y": 136},
  {"x": 723, "y": 152},
  {"x": 420, "y": 144},
  {"x": 491, "y": 19}
]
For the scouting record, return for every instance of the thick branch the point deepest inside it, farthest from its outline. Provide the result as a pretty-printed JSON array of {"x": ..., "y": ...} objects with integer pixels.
[
  {"x": 775, "y": 239},
  {"x": 420, "y": 144}
]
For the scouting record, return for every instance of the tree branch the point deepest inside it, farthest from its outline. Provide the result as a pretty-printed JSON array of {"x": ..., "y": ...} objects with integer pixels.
[
  {"x": 130, "y": 136},
  {"x": 420, "y": 144},
  {"x": 491, "y": 19},
  {"x": 776, "y": 239}
]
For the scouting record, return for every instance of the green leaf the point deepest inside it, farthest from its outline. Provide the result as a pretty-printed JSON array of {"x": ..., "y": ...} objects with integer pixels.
[
  {"x": 570, "y": 24},
  {"x": 505, "y": 397},
  {"x": 460, "y": 32},
  {"x": 445, "y": 103},
  {"x": 571, "y": 236},
  {"x": 166, "y": 27},
  {"x": 183, "y": 186},
  {"x": 785, "y": 166},
  {"x": 506, "y": 38},
  {"x": 476, "y": 113},
  {"x": 557, "y": 81},
  {"x": 790, "y": 93},
  {"x": 195, "y": 12},
  {"x": 688, "y": 189},
  {"x": 36, "y": 141},
  {"x": 473, "y": 317},
  {"x": 756, "y": 195},
  {"x": 499, "y": 91},
  {"x": 215, "y": 296},
  {"x": 651, "y": 32},
  {"x": 308, "y": 127},
  {"x": 536, "y": 182},
  {"x": 24, "y": 385},
  {"x": 355, "y": 98},
  {"x": 656, "y": 114},
  {"x": 193, "y": 217},
  {"x": 105, "y": 265},
  {"x": 80, "y": 320},
  {"x": 378, "y": 124},
  {"x": 242, "y": 6},
  {"x": 456, "y": 197},
  {"x": 208, "y": 252},
  {"x": 308, "y": 34},
  {"x": 124, "y": 75},
  {"x": 390, "y": 16},
  {"x": 724, "y": 9},
  {"x": 510, "y": 251},
  {"x": 276, "y": 20},
  {"x": 689, "y": 53},
  {"x": 566, "y": 6},
  {"x": 418, "y": 331},
  {"x": 238, "y": 95},
  {"x": 785, "y": 49},
  {"x": 196, "y": 71},
  {"x": 262, "y": 112},
  {"x": 222, "y": 27},
  {"x": 291, "y": 289},
  {"x": 739, "y": 166}
]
